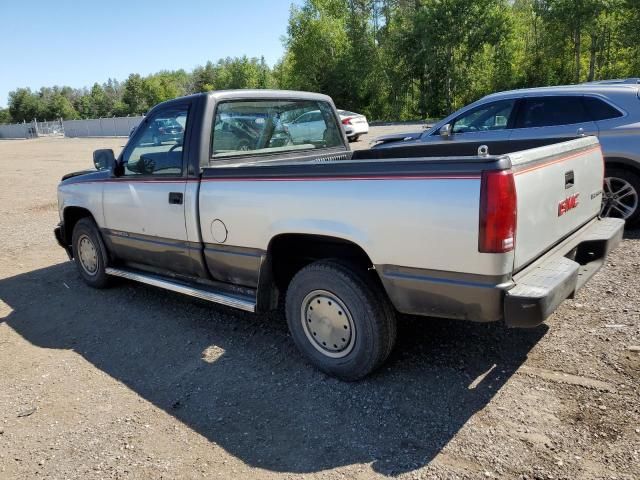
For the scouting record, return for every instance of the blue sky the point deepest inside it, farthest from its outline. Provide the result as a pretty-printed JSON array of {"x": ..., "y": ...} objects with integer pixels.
[{"x": 78, "y": 43}]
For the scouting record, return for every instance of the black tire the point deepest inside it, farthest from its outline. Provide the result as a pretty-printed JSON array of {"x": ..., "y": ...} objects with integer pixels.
[
  {"x": 633, "y": 179},
  {"x": 86, "y": 231},
  {"x": 368, "y": 313},
  {"x": 355, "y": 138}
]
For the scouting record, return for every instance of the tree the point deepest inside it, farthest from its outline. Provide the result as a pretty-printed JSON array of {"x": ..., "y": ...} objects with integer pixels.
[
  {"x": 24, "y": 105},
  {"x": 135, "y": 94},
  {"x": 60, "y": 106},
  {"x": 392, "y": 59},
  {"x": 101, "y": 103},
  {"x": 5, "y": 116}
]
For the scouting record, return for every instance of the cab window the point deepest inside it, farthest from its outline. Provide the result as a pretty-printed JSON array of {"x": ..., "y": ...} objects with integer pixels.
[
  {"x": 551, "y": 111},
  {"x": 157, "y": 145},
  {"x": 600, "y": 110},
  {"x": 493, "y": 116},
  {"x": 260, "y": 127}
]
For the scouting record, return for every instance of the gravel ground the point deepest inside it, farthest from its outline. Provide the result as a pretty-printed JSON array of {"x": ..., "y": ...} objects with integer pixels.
[{"x": 136, "y": 382}]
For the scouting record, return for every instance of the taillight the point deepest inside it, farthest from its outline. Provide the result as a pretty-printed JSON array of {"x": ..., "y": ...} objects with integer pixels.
[
  {"x": 346, "y": 121},
  {"x": 161, "y": 129},
  {"x": 497, "y": 212}
]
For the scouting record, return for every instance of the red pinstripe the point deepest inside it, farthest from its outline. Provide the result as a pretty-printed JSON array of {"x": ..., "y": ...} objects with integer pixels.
[{"x": 557, "y": 160}]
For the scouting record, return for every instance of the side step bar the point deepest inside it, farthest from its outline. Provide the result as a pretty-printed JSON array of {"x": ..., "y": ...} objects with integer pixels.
[{"x": 241, "y": 303}]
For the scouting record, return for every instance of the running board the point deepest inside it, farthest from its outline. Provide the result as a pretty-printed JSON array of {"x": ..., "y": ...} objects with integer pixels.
[{"x": 216, "y": 297}]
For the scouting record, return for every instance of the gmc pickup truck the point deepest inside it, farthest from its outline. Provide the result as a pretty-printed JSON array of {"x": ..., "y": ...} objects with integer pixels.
[{"x": 241, "y": 210}]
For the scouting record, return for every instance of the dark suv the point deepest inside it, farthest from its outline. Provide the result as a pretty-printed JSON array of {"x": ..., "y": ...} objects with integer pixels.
[{"x": 165, "y": 130}]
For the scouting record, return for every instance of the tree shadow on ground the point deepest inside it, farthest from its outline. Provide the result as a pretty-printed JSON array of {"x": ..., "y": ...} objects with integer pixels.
[{"x": 237, "y": 379}]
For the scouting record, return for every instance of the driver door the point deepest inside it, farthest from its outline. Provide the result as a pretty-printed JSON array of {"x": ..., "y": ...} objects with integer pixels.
[
  {"x": 144, "y": 212},
  {"x": 484, "y": 123}
]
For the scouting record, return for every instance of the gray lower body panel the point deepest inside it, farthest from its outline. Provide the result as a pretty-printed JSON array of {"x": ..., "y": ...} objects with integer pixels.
[
  {"x": 235, "y": 265},
  {"x": 177, "y": 256},
  {"x": 525, "y": 300},
  {"x": 445, "y": 294}
]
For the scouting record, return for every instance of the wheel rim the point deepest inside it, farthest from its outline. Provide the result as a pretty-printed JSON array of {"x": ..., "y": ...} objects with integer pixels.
[
  {"x": 619, "y": 199},
  {"x": 328, "y": 324},
  {"x": 88, "y": 255}
]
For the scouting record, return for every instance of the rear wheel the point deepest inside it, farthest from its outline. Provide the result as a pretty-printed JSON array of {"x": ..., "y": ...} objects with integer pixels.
[
  {"x": 621, "y": 193},
  {"x": 340, "y": 319},
  {"x": 89, "y": 253}
]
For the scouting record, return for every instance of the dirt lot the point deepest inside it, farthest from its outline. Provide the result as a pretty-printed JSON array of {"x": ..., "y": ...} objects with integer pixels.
[{"x": 136, "y": 382}]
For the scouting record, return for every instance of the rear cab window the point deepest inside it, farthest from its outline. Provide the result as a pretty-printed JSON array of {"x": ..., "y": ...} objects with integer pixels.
[{"x": 262, "y": 127}]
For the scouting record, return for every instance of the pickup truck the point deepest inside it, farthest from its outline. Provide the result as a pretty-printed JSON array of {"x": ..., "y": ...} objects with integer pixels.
[{"x": 499, "y": 231}]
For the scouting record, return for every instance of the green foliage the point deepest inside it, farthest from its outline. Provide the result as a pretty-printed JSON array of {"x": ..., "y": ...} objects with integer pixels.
[
  {"x": 391, "y": 59},
  {"x": 399, "y": 59},
  {"x": 5, "y": 116}
]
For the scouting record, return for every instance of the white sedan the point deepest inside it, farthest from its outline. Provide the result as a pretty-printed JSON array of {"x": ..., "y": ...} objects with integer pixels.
[{"x": 354, "y": 124}]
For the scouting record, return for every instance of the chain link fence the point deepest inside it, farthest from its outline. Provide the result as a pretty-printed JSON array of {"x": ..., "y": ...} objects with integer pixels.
[{"x": 99, "y": 127}]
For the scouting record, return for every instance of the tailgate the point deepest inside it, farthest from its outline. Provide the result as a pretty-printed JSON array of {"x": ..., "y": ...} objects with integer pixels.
[{"x": 559, "y": 189}]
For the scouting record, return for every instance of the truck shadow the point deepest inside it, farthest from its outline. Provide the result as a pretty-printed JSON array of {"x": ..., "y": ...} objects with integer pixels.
[
  {"x": 630, "y": 234},
  {"x": 238, "y": 380}
]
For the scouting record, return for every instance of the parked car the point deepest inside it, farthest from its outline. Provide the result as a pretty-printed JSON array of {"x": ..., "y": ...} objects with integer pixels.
[
  {"x": 610, "y": 110},
  {"x": 233, "y": 134},
  {"x": 309, "y": 126},
  {"x": 485, "y": 232},
  {"x": 165, "y": 130},
  {"x": 355, "y": 124}
]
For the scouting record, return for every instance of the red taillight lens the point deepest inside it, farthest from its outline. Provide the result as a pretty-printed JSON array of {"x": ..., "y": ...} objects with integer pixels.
[
  {"x": 497, "y": 212},
  {"x": 346, "y": 121}
]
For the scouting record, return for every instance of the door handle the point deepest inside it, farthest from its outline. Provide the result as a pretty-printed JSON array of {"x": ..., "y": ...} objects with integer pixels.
[
  {"x": 569, "y": 179},
  {"x": 175, "y": 198}
]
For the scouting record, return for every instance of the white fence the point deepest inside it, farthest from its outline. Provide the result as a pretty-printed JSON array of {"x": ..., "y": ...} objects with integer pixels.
[
  {"x": 18, "y": 130},
  {"x": 100, "y": 127}
]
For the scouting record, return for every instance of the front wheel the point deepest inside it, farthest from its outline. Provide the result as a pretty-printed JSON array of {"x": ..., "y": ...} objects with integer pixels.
[
  {"x": 340, "y": 319},
  {"x": 90, "y": 254},
  {"x": 620, "y": 196}
]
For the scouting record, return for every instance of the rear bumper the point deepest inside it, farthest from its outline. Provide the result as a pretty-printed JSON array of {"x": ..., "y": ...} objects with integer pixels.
[
  {"x": 525, "y": 300},
  {"x": 543, "y": 286},
  {"x": 357, "y": 129}
]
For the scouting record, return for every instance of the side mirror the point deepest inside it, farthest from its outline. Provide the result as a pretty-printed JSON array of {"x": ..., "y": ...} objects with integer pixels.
[
  {"x": 104, "y": 159},
  {"x": 446, "y": 130}
]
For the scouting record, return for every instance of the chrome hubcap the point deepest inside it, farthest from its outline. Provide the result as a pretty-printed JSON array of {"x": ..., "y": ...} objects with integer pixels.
[
  {"x": 88, "y": 255},
  {"x": 619, "y": 198},
  {"x": 328, "y": 324}
]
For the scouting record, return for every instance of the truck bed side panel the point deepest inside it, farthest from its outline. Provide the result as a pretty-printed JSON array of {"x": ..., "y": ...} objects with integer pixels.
[{"x": 427, "y": 220}]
